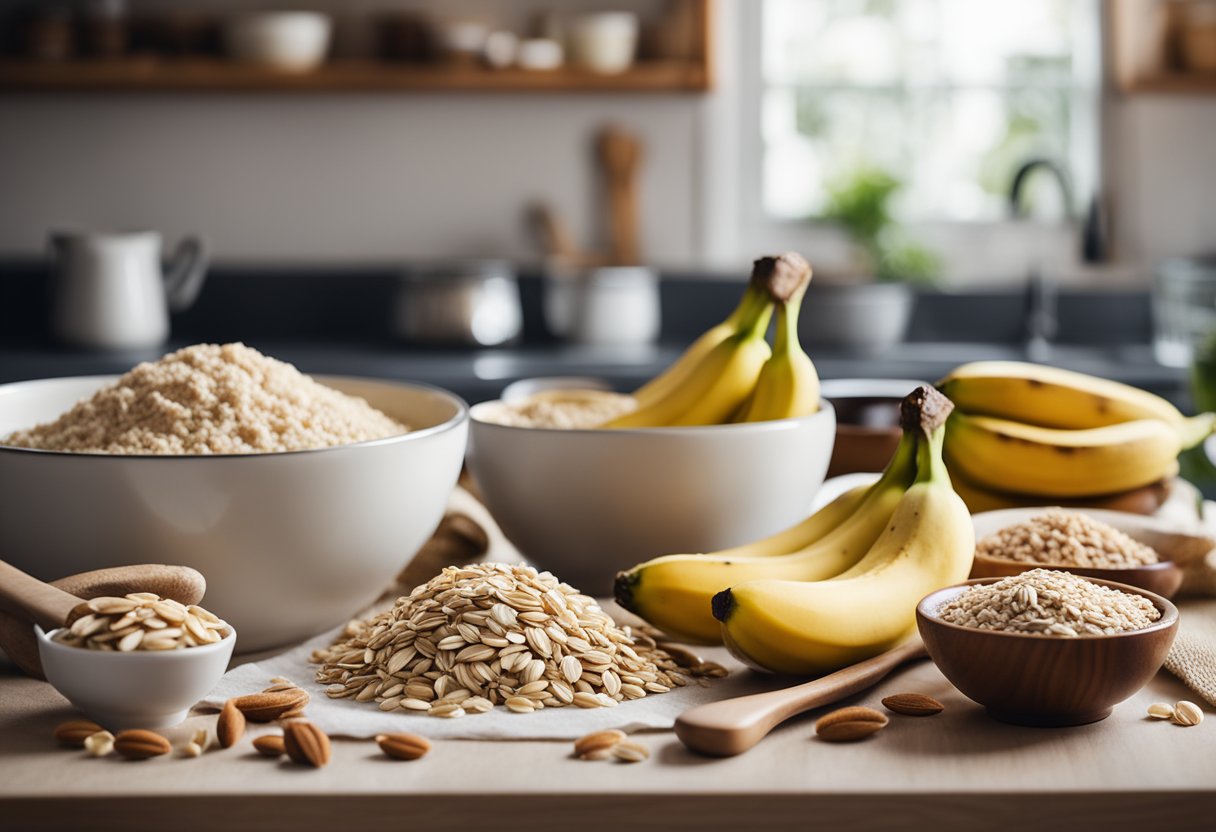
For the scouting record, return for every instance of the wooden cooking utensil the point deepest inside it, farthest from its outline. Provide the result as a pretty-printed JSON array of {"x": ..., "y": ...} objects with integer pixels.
[
  {"x": 732, "y": 726},
  {"x": 620, "y": 155},
  {"x": 181, "y": 583},
  {"x": 45, "y": 605},
  {"x": 554, "y": 237}
]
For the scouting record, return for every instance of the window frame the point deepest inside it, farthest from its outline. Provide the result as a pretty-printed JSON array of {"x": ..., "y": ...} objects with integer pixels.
[{"x": 968, "y": 247}]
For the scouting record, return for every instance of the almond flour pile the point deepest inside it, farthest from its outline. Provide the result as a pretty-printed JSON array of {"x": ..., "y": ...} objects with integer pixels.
[
  {"x": 210, "y": 399},
  {"x": 489, "y": 634},
  {"x": 1067, "y": 538},
  {"x": 1049, "y": 603}
]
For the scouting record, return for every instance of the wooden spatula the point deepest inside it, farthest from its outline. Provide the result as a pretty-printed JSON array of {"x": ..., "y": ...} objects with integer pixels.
[{"x": 732, "y": 726}]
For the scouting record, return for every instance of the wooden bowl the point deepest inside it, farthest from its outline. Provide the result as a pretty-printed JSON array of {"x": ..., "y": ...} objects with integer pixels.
[
  {"x": 1046, "y": 681},
  {"x": 1163, "y": 578}
]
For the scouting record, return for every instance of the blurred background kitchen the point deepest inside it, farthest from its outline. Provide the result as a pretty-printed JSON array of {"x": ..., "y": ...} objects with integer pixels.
[{"x": 471, "y": 192}]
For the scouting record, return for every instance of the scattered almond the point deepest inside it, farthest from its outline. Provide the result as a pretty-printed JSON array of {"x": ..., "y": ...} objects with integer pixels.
[
  {"x": 630, "y": 752},
  {"x": 138, "y": 744},
  {"x": 595, "y": 742},
  {"x": 231, "y": 725},
  {"x": 99, "y": 744},
  {"x": 306, "y": 744},
  {"x": 73, "y": 733},
  {"x": 850, "y": 724},
  {"x": 403, "y": 746},
  {"x": 913, "y": 704},
  {"x": 1187, "y": 713},
  {"x": 268, "y": 706},
  {"x": 1161, "y": 710},
  {"x": 270, "y": 745}
]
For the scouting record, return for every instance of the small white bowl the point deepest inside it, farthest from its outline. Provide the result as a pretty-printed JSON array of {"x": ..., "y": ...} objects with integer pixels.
[
  {"x": 585, "y": 504},
  {"x": 140, "y": 689},
  {"x": 288, "y": 41}
]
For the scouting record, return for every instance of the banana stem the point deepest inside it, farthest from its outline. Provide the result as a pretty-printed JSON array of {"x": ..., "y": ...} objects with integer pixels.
[
  {"x": 755, "y": 298},
  {"x": 902, "y": 467},
  {"x": 1196, "y": 429},
  {"x": 782, "y": 276},
  {"x": 930, "y": 466},
  {"x": 786, "y": 340}
]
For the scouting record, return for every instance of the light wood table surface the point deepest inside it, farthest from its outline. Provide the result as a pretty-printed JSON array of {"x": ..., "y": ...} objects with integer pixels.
[{"x": 958, "y": 770}]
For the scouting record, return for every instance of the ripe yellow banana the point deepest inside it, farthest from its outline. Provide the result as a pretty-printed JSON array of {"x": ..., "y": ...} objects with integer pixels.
[
  {"x": 1026, "y": 459},
  {"x": 756, "y": 297},
  {"x": 818, "y": 627},
  {"x": 715, "y": 388},
  {"x": 788, "y": 386},
  {"x": 1145, "y": 500},
  {"x": 1055, "y": 398},
  {"x": 674, "y": 592}
]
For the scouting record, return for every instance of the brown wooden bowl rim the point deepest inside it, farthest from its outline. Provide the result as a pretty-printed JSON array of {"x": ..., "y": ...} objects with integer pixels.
[
  {"x": 1169, "y": 613},
  {"x": 1159, "y": 566}
]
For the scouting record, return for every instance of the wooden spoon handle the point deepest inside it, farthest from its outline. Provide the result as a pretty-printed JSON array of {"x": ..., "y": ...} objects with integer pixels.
[
  {"x": 45, "y": 605},
  {"x": 732, "y": 726}
]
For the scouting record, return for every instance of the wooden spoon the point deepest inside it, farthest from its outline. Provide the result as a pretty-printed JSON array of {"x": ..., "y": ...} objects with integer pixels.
[
  {"x": 181, "y": 583},
  {"x": 732, "y": 726}
]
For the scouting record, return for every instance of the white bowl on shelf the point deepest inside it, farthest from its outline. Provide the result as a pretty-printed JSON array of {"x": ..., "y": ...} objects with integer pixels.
[
  {"x": 291, "y": 544},
  {"x": 585, "y": 504},
  {"x": 286, "y": 41}
]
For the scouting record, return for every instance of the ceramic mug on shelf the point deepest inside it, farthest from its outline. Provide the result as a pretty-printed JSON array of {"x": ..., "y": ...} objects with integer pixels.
[
  {"x": 110, "y": 292},
  {"x": 606, "y": 306}
]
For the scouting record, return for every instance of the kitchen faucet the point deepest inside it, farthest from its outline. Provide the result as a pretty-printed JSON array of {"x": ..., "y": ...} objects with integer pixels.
[{"x": 1042, "y": 322}]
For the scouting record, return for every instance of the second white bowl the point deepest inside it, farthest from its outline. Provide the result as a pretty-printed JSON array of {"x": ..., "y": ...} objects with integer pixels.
[{"x": 585, "y": 504}]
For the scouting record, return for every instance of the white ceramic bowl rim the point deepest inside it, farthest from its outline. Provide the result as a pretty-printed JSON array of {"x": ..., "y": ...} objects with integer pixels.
[
  {"x": 1169, "y": 612},
  {"x": 47, "y": 640},
  {"x": 461, "y": 415},
  {"x": 695, "y": 430}
]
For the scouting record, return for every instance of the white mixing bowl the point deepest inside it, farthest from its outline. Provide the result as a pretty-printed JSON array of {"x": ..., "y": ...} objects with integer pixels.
[
  {"x": 587, "y": 503},
  {"x": 290, "y": 543}
]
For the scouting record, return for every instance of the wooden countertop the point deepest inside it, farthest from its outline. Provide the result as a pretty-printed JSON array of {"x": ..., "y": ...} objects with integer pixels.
[{"x": 959, "y": 770}]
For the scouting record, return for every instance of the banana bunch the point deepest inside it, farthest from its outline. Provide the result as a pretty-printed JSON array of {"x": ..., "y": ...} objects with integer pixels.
[
  {"x": 674, "y": 592},
  {"x": 730, "y": 373},
  {"x": 815, "y": 627},
  {"x": 1024, "y": 431}
]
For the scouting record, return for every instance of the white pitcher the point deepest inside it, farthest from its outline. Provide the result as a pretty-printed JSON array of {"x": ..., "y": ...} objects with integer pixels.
[{"x": 109, "y": 290}]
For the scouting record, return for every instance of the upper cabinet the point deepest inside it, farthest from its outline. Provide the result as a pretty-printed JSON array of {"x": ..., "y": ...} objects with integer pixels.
[
  {"x": 656, "y": 46},
  {"x": 1164, "y": 46}
]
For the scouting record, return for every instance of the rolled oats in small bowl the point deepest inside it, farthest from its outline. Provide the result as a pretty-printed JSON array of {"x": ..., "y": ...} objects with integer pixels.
[
  {"x": 1045, "y": 647},
  {"x": 1145, "y": 552}
]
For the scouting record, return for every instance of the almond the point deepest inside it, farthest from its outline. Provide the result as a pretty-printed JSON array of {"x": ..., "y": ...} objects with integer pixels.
[
  {"x": 403, "y": 746},
  {"x": 850, "y": 724},
  {"x": 270, "y": 705},
  {"x": 270, "y": 745},
  {"x": 138, "y": 744},
  {"x": 913, "y": 704},
  {"x": 306, "y": 744},
  {"x": 73, "y": 733},
  {"x": 231, "y": 725}
]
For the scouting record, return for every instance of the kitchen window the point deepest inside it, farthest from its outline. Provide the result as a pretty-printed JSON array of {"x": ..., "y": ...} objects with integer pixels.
[{"x": 948, "y": 97}]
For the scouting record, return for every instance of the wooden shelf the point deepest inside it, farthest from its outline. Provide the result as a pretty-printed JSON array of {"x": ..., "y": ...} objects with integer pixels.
[
  {"x": 200, "y": 75},
  {"x": 1187, "y": 83}
]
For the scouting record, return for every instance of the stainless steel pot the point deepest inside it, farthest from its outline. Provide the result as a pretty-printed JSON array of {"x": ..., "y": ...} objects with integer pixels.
[{"x": 469, "y": 303}]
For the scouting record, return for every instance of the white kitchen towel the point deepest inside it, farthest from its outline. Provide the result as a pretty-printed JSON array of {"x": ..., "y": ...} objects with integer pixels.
[{"x": 348, "y": 718}]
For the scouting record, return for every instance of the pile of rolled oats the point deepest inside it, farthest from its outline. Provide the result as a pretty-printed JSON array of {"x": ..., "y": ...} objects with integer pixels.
[
  {"x": 1049, "y": 603},
  {"x": 1066, "y": 538},
  {"x": 492, "y": 634}
]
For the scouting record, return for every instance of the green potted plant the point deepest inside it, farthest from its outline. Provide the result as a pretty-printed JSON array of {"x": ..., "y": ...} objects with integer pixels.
[{"x": 867, "y": 307}]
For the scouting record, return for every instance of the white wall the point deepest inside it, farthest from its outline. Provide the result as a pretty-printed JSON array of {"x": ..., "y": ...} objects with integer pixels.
[
  {"x": 372, "y": 177},
  {"x": 338, "y": 178}
]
